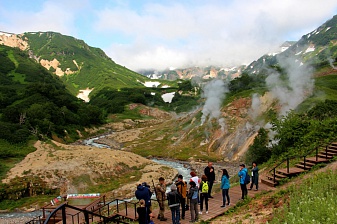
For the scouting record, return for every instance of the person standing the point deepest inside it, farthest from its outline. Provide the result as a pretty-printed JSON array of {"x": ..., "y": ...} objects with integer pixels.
[
  {"x": 193, "y": 196},
  {"x": 210, "y": 174},
  {"x": 195, "y": 178},
  {"x": 225, "y": 185},
  {"x": 143, "y": 193},
  {"x": 203, "y": 188},
  {"x": 174, "y": 200},
  {"x": 161, "y": 197},
  {"x": 242, "y": 174},
  {"x": 182, "y": 189},
  {"x": 255, "y": 177},
  {"x": 142, "y": 212}
]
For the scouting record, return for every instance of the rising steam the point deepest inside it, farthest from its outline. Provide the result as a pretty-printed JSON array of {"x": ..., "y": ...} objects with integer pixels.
[
  {"x": 331, "y": 61},
  {"x": 295, "y": 88},
  {"x": 214, "y": 92}
]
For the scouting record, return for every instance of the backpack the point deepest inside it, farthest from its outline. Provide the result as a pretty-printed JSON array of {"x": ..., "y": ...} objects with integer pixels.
[
  {"x": 204, "y": 188},
  {"x": 247, "y": 179},
  {"x": 182, "y": 188}
]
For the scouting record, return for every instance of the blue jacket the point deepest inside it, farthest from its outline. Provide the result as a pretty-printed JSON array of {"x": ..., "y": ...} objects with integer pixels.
[
  {"x": 224, "y": 182},
  {"x": 242, "y": 174},
  {"x": 143, "y": 193}
]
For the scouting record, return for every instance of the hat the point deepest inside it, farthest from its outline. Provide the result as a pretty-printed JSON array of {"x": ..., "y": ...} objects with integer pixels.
[
  {"x": 173, "y": 187},
  {"x": 145, "y": 184},
  {"x": 243, "y": 165},
  {"x": 180, "y": 176}
]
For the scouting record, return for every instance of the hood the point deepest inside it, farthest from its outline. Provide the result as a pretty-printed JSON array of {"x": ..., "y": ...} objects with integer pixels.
[{"x": 140, "y": 188}]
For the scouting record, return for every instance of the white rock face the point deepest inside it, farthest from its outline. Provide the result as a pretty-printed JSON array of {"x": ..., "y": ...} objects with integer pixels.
[
  {"x": 152, "y": 84},
  {"x": 84, "y": 94},
  {"x": 167, "y": 97}
]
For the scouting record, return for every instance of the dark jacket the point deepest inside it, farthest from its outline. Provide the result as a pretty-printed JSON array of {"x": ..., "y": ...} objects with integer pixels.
[
  {"x": 142, "y": 215},
  {"x": 210, "y": 175},
  {"x": 255, "y": 175},
  {"x": 173, "y": 198},
  {"x": 143, "y": 193}
]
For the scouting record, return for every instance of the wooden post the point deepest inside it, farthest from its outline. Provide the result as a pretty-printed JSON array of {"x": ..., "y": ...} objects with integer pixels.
[{"x": 287, "y": 165}]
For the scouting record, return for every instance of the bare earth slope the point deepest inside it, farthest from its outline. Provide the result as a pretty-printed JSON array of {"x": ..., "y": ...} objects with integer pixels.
[{"x": 59, "y": 165}]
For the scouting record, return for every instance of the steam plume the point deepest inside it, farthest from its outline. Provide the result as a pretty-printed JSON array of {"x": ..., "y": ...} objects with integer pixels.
[
  {"x": 214, "y": 92},
  {"x": 295, "y": 88},
  {"x": 331, "y": 61}
]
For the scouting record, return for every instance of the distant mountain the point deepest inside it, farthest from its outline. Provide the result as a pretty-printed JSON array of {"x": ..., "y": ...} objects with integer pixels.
[
  {"x": 319, "y": 48},
  {"x": 80, "y": 66},
  {"x": 204, "y": 73}
]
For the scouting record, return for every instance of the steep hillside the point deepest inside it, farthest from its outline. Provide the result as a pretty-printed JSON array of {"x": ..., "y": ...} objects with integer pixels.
[{"x": 80, "y": 66}]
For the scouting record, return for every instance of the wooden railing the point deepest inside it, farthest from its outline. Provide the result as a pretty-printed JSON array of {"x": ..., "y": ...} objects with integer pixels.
[{"x": 273, "y": 170}]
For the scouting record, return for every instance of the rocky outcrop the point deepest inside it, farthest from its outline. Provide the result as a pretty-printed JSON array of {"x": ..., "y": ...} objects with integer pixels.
[{"x": 13, "y": 40}]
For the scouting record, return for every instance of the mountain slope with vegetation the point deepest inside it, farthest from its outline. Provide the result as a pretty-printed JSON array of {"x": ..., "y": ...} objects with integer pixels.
[{"x": 79, "y": 65}]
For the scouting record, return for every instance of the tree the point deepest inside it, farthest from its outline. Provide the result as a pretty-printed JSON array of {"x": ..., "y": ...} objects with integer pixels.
[{"x": 259, "y": 152}]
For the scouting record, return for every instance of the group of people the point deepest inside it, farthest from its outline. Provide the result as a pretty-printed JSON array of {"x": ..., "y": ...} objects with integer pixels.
[{"x": 184, "y": 198}]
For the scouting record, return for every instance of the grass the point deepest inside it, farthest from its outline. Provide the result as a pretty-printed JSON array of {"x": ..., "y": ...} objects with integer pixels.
[
  {"x": 314, "y": 201},
  {"x": 25, "y": 202}
]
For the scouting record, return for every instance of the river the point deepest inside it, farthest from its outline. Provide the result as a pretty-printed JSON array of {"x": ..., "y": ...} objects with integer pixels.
[{"x": 21, "y": 217}]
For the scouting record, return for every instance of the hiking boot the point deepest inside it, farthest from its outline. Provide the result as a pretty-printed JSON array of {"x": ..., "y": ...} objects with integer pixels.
[
  {"x": 200, "y": 213},
  {"x": 206, "y": 212},
  {"x": 222, "y": 206},
  {"x": 163, "y": 219}
]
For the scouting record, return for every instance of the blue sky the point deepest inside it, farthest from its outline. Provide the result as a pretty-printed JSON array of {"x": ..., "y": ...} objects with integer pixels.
[{"x": 142, "y": 34}]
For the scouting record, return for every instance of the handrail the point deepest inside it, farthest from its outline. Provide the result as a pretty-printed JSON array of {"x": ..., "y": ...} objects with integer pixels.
[
  {"x": 300, "y": 156},
  {"x": 84, "y": 211}
]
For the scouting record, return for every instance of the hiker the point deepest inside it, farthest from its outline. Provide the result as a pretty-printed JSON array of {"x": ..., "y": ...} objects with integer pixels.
[
  {"x": 174, "y": 200},
  {"x": 182, "y": 188},
  {"x": 255, "y": 177},
  {"x": 203, "y": 188},
  {"x": 143, "y": 193},
  {"x": 161, "y": 197},
  {"x": 242, "y": 174},
  {"x": 210, "y": 174},
  {"x": 193, "y": 197},
  {"x": 195, "y": 178},
  {"x": 142, "y": 212},
  {"x": 225, "y": 185}
]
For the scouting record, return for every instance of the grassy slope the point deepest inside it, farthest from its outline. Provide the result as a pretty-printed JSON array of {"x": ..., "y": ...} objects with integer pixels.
[{"x": 97, "y": 69}]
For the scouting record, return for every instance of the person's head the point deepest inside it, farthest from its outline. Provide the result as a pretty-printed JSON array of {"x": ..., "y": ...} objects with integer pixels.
[
  {"x": 161, "y": 180},
  {"x": 210, "y": 164},
  {"x": 242, "y": 166},
  {"x": 192, "y": 184},
  {"x": 254, "y": 164},
  {"x": 142, "y": 202},
  {"x": 225, "y": 172},
  {"x": 193, "y": 174},
  {"x": 180, "y": 177},
  {"x": 173, "y": 187},
  {"x": 204, "y": 177},
  {"x": 145, "y": 185}
]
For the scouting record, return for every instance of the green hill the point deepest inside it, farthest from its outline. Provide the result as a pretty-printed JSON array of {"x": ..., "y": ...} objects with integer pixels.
[
  {"x": 87, "y": 67},
  {"x": 34, "y": 102}
]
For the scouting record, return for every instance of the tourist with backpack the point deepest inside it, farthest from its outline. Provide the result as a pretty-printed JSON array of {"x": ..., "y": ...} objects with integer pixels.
[
  {"x": 243, "y": 182},
  {"x": 182, "y": 190},
  {"x": 203, "y": 188},
  {"x": 255, "y": 177},
  {"x": 174, "y": 200},
  {"x": 225, "y": 185},
  {"x": 193, "y": 197},
  {"x": 210, "y": 174}
]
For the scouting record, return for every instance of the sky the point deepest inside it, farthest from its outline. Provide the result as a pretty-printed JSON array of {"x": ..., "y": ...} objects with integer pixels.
[{"x": 149, "y": 34}]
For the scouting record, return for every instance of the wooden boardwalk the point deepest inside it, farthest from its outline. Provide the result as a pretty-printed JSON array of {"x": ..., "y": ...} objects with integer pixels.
[{"x": 214, "y": 204}]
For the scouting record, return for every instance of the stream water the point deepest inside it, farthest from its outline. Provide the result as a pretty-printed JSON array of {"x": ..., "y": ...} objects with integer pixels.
[{"x": 183, "y": 169}]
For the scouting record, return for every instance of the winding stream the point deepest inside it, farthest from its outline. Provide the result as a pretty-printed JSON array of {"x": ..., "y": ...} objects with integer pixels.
[{"x": 183, "y": 169}]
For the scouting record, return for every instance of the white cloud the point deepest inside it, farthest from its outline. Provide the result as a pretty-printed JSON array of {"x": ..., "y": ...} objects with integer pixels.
[
  {"x": 212, "y": 32},
  {"x": 58, "y": 16}
]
